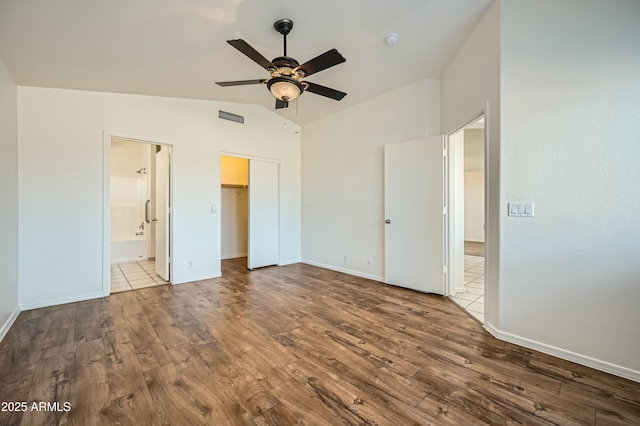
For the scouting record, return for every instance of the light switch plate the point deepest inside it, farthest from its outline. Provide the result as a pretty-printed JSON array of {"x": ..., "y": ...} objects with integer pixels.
[{"x": 520, "y": 209}]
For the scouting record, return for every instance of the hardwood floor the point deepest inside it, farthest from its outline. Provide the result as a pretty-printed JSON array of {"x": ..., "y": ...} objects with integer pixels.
[
  {"x": 473, "y": 248},
  {"x": 289, "y": 345}
]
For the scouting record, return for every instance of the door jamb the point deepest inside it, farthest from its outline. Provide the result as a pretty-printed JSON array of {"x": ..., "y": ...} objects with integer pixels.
[{"x": 454, "y": 211}]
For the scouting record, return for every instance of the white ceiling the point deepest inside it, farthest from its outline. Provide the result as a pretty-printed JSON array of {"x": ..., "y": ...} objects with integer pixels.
[{"x": 178, "y": 48}]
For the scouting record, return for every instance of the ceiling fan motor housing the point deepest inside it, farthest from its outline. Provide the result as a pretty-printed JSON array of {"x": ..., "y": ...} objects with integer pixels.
[{"x": 285, "y": 62}]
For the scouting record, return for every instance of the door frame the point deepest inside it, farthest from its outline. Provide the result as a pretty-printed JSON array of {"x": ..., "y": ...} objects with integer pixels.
[
  {"x": 455, "y": 225},
  {"x": 255, "y": 158},
  {"x": 106, "y": 203}
]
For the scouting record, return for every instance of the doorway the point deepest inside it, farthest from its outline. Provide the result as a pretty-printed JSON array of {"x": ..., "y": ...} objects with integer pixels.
[
  {"x": 234, "y": 209},
  {"x": 137, "y": 214},
  {"x": 467, "y": 220},
  {"x": 250, "y": 210}
]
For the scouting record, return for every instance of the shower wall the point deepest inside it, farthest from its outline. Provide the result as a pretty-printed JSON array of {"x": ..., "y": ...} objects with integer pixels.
[{"x": 130, "y": 187}]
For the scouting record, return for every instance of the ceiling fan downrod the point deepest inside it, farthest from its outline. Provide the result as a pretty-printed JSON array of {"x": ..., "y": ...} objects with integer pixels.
[{"x": 284, "y": 26}]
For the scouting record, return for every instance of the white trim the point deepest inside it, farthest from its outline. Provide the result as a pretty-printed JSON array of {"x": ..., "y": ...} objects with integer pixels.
[
  {"x": 248, "y": 157},
  {"x": 9, "y": 322},
  {"x": 344, "y": 271},
  {"x": 472, "y": 240},
  {"x": 234, "y": 256},
  {"x": 288, "y": 262},
  {"x": 197, "y": 278},
  {"x": 128, "y": 259},
  {"x": 607, "y": 367},
  {"x": 61, "y": 301}
]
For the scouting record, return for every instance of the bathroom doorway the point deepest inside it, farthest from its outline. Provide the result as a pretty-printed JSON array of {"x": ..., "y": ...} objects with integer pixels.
[
  {"x": 139, "y": 214},
  {"x": 468, "y": 183}
]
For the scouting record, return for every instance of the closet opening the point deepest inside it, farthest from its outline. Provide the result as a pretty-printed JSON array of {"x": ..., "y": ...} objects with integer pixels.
[
  {"x": 234, "y": 211},
  {"x": 250, "y": 210}
]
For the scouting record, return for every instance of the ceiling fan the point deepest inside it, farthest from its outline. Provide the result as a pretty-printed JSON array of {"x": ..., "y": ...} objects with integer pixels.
[{"x": 286, "y": 82}]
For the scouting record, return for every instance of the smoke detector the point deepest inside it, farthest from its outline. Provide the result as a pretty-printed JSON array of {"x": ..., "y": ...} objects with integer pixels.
[{"x": 391, "y": 39}]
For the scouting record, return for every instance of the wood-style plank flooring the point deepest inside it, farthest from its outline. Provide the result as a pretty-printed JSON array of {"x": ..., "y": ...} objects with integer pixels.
[
  {"x": 474, "y": 248},
  {"x": 289, "y": 345}
]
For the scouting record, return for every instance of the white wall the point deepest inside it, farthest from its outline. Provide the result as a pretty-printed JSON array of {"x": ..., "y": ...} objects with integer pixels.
[
  {"x": 474, "y": 185},
  {"x": 342, "y": 175},
  {"x": 61, "y": 177},
  {"x": 9, "y": 205},
  {"x": 570, "y": 276},
  {"x": 474, "y": 206},
  {"x": 129, "y": 191},
  {"x": 470, "y": 85}
]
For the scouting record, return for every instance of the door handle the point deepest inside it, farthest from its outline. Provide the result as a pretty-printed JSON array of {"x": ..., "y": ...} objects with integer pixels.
[
  {"x": 154, "y": 220},
  {"x": 387, "y": 221}
]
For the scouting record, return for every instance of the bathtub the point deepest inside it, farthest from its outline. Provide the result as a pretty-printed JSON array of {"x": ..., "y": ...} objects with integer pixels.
[{"x": 127, "y": 249}]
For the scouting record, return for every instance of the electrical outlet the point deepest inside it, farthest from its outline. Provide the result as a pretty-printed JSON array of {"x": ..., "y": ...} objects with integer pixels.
[
  {"x": 345, "y": 258},
  {"x": 369, "y": 262},
  {"x": 190, "y": 264}
]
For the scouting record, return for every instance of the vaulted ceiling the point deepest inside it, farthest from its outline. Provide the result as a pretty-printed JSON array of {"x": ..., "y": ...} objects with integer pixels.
[{"x": 178, "y": 48}]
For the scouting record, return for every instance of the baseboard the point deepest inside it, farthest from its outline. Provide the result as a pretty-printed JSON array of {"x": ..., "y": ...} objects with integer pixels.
[
  {"x": 128, "y": 259},
  {"x": 344, "y": 271},
  {"x": 288, "y": 262},
  {"x": 234, "y": 256},
  {"x": 471, "y": 240},
  {"x": 607, "y": 367},
  {"x": 9, "y": 322},
  {"x": 194, "y": 278},
  {"x": 61, "y": 301}
]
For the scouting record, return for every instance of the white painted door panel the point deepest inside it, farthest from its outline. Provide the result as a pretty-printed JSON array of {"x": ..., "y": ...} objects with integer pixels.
[
  {"x": 414, "y": 202},
  {"x": 264, "y": 215},
  {"x": 162, "y": 212}
]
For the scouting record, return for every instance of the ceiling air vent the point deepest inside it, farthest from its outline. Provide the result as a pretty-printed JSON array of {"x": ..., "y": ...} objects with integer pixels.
[{"x": 224, "y": 115}]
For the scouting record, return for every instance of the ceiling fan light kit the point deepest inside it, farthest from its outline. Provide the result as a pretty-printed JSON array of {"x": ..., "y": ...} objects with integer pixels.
[
  {"x": 285, "y": 88},
  {"x": 286, "y": 82}
]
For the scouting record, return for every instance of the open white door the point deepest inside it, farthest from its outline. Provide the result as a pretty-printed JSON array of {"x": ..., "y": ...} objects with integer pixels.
[
  {"x": 264, "y": 241},
  {"x": 414, "y": 203},
  {"x": 163, "y": 212}
]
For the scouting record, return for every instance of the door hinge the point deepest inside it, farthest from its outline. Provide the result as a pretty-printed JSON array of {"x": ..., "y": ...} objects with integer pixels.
[{"x": 168, "y": 259}]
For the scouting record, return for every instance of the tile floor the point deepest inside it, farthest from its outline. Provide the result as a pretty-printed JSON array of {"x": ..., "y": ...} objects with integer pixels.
[
  {"x": 472, "y": 298},
  {"x": 134, "y": 275}
]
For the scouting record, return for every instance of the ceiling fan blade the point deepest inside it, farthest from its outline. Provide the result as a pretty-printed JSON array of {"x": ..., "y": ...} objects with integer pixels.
[
  {"x": 281, "y": 104},
  {"x": 239, "y": 82},
  {"x": 252, "y": 53},
  {"x": 322, "y": 62},
  {"x": 324, "y": 91}
]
